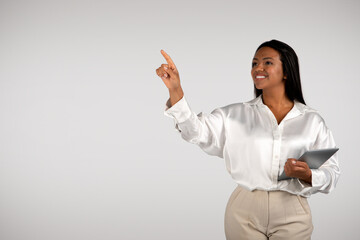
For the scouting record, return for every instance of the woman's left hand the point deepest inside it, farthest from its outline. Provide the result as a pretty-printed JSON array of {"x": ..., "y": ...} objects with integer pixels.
[{"x": 298, "y": 169}]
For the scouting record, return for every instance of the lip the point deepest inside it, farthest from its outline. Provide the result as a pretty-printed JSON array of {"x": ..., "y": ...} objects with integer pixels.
[
  {"x": 259, "y": 77},
  {"x": 260, "y": 74}
]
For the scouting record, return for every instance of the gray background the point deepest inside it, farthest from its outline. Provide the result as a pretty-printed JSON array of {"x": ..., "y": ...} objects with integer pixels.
[{"x": 85, "y": 149}]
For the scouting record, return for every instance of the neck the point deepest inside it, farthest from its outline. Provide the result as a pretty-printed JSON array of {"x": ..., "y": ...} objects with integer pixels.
[{"x": 276, "y": 99}]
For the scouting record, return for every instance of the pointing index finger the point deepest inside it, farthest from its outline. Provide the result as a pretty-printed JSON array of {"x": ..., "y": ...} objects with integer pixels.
[{"x": 168, "y": 59}]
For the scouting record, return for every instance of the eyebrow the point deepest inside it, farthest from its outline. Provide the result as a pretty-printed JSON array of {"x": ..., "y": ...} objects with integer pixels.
[{"x": 264, "y": 58}]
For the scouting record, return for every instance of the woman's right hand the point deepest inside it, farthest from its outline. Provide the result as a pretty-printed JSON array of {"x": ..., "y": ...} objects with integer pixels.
[
  {"x": 169, "y": 73},
  {"x": 170, "y": 76}
]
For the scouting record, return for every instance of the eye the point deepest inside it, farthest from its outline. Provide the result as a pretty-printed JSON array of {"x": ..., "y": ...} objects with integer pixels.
[
  {"x": 253, "y": 64},
  {"x": 268, "y": 63}
]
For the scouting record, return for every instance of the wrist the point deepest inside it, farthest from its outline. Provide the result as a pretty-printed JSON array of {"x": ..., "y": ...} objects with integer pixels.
[
  {"x": 308, "y": 177},
  {"x": 175, "y": 95},
  {"x": 176, "y": 90}
]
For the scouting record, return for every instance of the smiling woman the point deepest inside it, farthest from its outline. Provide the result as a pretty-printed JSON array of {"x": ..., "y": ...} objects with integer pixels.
[
  {"x": 267, "y": 69},
  {"x": 259, "y": 140},
  {"x": 281, "y": 53}
]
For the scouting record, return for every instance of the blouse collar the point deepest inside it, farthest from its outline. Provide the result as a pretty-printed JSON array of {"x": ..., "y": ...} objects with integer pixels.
[{"x": 299, "y": 108}]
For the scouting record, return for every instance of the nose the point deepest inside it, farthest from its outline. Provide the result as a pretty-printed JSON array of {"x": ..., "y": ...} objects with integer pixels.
[{"x": 259, "y": 67}]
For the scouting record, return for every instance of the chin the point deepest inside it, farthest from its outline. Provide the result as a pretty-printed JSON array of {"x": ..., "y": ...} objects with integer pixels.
[{"x": 258, "y": 87}]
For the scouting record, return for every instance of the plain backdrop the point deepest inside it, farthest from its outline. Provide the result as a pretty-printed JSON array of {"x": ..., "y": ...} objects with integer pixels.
[{"x": 85, "y": 149}]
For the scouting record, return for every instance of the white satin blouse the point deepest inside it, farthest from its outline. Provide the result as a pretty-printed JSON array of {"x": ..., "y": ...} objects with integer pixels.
[{"x": 255, "y": 147}]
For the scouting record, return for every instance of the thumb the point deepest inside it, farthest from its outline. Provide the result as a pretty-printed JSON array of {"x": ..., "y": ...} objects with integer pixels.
[{"x": 169, "y": 71}]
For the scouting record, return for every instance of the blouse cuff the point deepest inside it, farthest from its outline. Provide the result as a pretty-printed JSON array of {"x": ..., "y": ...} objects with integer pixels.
[
  {"x": 180, "y": 111},
  {"x": 319, "y": 178}
]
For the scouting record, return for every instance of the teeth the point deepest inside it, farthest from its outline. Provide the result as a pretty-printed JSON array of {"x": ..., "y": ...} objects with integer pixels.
[{"x": 260, "y": 76}]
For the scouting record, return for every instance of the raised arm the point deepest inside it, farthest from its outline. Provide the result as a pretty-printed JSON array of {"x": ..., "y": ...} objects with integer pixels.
[{"x": 205, "y": 130}]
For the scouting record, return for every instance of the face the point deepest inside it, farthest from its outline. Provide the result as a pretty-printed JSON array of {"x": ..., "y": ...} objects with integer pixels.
[{"x": 267, "y": 71}]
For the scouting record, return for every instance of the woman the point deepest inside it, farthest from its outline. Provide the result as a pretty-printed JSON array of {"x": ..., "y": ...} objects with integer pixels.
[{"x": 258, "y": 140}]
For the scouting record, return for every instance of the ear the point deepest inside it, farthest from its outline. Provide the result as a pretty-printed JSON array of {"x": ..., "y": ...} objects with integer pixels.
[{"x": 285, "y": 77}]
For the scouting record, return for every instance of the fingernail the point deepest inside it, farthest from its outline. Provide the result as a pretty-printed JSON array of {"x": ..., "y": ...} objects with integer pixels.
[
  {"x": 165, "y": 75},
  {"x": 165, "y": 67},
  {"x": 294, "y": 162}
]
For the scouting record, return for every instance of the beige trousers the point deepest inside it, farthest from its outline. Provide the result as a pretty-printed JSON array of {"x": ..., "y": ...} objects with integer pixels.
[{"x": 274, "y": 215}]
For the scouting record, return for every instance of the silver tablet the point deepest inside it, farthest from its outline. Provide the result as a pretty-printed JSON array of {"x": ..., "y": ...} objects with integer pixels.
[{"x": 314, "y": 158}]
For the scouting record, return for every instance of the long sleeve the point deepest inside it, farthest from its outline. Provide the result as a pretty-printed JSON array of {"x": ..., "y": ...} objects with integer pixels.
[
  {"x": 205, "y": 130},
  {"x": 326, "y": 177}
]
